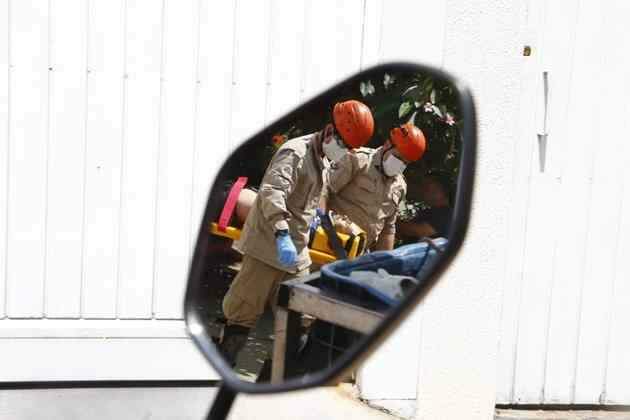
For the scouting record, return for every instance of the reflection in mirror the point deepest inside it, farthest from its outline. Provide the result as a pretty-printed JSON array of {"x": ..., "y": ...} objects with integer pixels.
[{"x": 327, "y": 220}]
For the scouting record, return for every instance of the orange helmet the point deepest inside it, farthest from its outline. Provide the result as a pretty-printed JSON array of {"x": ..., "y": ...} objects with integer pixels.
[
  {"x": 409, "y": 141},
  {"x": 354, "y": 122}
]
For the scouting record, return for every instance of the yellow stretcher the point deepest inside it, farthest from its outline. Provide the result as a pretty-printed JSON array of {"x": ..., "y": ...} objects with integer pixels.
[{"x": 319, "y": 249}]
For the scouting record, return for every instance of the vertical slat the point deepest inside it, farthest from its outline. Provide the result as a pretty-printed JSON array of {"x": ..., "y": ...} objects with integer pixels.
[
  {"x": 285, "y": 57},
  {"x": 413, "y": 30},
  {"x": 250, "y": 69},
  {"x": 27, "y": 157},
  {"x": 175, "y": 158},
  {"x": 618, "y": 368},
  {"x": 524, "y": 162},
  {"x": 332, "y": 43},
  {"x": 574, "y": 165},
  {"x": 542, "y": 212},
  {"x": 4, "y": 146},
  {"x": 372, "y": 32},
  {"x": 103, "y": 158},
  {"x": 140, "y": 139},
  {"x": 214, "y": 93},
  {"x": 604, "y": 207},
  {"x": 195, "y": 208},
  {"x": 617, "y": 390},
  {"x": 65, "y": 159}
]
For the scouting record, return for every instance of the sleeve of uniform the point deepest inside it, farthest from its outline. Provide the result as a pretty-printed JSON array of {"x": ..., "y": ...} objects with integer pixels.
[
  {"x": 277, "y": 185},
  {"x": 339, "y": 174},
  {"x": 390, "y": 222}
]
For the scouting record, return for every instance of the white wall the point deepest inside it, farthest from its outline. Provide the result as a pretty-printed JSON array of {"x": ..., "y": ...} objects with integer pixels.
[
  {"x": 565, "y": 294},
  {"x": 114, "y": 117},
  {"x": 459, "y": 342},
  {"x": 550, "y": 242},
  {"x": 456, "y": 352}
]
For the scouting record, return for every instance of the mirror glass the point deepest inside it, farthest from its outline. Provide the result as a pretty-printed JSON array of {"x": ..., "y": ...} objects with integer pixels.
[{"x": 326, "y": 220}]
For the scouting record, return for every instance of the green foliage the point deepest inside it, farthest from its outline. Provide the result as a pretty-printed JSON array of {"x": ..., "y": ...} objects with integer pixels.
[{"x": 431, "y": 104}]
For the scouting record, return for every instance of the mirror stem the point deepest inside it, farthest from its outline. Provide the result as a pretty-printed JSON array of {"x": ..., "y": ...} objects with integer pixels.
[{"x": 222, "y": 404}]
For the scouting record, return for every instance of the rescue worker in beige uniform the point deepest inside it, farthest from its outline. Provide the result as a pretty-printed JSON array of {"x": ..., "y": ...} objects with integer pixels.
[
  {"x": 274, "y": 238},
  {"x": 368, "y": 184}
]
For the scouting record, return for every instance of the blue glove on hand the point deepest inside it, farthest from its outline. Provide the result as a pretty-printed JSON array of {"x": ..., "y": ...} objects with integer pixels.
[
  {"x": 287, "y": 254},
  {"x": 316, "y": 221}
]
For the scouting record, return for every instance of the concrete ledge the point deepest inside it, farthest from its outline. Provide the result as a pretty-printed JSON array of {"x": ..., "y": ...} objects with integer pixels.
[
  {"x": 561, "y": 415},
  {"x": 182, "y": 403},
  {"x": 404, "y": 409}
]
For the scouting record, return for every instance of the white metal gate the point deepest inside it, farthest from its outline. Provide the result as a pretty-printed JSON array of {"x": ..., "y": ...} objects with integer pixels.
[
  {"x": 100, "y": 188},
  {"x": 566, "y": 295},
  {"x": 114, "y": 116}
]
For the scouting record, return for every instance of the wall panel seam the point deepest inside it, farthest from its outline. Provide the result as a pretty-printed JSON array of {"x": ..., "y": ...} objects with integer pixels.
[
  {"x": 158, "y": 158},
  {"x": 268, "y": 61},
  {"x": 506, "y": 268},
  {"x": 556, "y": 240},
  {"x": 123, "y": 154},
  {"x": 589, "y": 230},
  {"x": 88, "y": 8},
  {"x": 234, "y": 72},
  {"x": 597, "y": 152},
  {"x": 610, "y": 306},
  {"x": 618, "y": 216},
  {"x": 379, "y": 55},
  {"x": 197, "y": 53},
  {"x": 524, "y": 253},
  {"x": 444, "y": 36},
  {"x": 305, "y": 37},
  {"x": 361, "y": 49},
  {"x": 49, "y": 77},
  {"x": 521, "y": 282},
  {"x": 8, "y": 164},
  {"x": 615, "y": 279}
]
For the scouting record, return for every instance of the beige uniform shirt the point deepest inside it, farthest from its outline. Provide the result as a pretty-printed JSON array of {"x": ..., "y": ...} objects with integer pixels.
[
  {"x": 287, "y": 199},
  {"x": 356, "y": 187}
]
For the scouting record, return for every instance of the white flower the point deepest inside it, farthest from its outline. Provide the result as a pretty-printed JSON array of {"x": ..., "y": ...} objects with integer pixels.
[
  {"x": 388, "y": 80},
  {"x": 367, "y": 88}
]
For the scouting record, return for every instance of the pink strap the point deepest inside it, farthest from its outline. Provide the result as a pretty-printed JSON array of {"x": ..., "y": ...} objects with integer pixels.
[{"x": 230, "y": 203}]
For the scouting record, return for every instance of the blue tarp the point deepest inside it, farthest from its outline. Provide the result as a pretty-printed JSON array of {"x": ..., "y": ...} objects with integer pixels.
[{"x": 400, "y": 264}]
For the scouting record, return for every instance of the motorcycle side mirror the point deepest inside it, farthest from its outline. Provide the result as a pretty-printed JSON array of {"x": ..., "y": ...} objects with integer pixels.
[{"x": 323, "y": 231}]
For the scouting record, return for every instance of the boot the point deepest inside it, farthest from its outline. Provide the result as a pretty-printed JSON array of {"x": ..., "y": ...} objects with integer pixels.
[
  {"x": 233, "y": 340},
  {"x": 216, "y": 329},
  {"x": 264, "y": 376}
]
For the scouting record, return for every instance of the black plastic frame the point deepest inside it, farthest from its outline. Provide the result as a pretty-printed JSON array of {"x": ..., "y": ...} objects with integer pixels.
[{"x": 461, "y": 214}]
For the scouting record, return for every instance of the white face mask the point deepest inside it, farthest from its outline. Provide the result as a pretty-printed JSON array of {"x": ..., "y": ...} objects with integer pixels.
[
  {"x": 333, "y": 150},
  {"x": 393, "y": 166}
]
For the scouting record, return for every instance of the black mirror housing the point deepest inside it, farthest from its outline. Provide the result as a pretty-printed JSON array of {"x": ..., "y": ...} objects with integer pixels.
[{"x": 461, "y": 202}]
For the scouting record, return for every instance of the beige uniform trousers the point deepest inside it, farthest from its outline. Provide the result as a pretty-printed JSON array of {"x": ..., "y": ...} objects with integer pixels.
[{"x": 255, "y": 286}]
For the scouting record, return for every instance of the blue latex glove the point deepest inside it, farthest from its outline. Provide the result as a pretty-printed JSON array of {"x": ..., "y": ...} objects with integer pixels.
[
  {"x": 316, "y": 221},
  {"x": 287, "y": 254}
]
